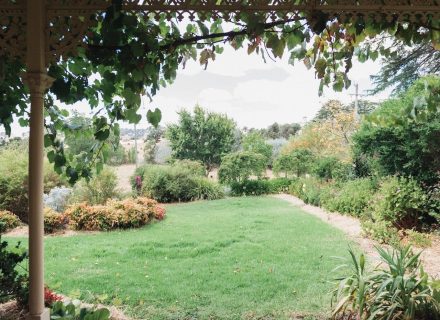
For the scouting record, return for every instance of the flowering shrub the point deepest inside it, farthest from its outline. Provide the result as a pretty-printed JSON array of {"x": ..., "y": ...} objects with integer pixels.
[
  {"x": 50, "y": 297},
  {"x": 128, "y": 213},
  {"x": 54, "y": 221},
  {"x": 159, "y": 213},
  {"x": 9, "y": 220}
]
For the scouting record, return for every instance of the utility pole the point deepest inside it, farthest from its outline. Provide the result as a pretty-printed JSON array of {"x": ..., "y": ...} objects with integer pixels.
[{"x": 356, "y": 102}]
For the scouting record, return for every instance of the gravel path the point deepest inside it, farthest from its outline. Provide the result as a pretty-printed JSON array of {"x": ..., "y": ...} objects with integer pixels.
[{"x": 352, "y": 227}]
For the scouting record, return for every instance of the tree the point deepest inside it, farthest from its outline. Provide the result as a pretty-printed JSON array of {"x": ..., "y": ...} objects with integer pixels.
[
  {"x": 329, "y": 134},
  {"x": 289, "y": 129},
  {"x": 273, "y": 131},
  {"x": 152, "y": 138},
  {"x": 203, "y": 136},
  {"x": 126, "y": 54},
  {"x": 298, "y": 162},
  {"x": 254, "y": 142},
  {"x": 81, "y": 143},
  {"x": 240, "y": 166},
  {"x": 405, "y": 64},
  {"x": 392, "y": 142}
]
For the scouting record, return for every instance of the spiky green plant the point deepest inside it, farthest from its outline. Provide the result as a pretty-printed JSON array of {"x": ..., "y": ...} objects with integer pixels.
[{"x": 397, "y": 289}]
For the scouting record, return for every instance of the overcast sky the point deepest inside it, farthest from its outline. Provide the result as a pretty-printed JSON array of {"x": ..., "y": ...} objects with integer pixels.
[{"x": 253, "y": 93}]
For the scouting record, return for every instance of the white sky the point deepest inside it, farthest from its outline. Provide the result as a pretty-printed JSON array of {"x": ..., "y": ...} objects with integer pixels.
[{"x": 253, "y": 93}]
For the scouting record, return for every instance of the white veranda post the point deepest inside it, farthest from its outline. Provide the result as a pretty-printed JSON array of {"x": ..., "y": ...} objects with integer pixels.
[{"x": 37, "y": 80}]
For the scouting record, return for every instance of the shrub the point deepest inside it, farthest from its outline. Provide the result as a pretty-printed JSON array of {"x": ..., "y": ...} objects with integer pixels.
[
  {"x": 418, "y": 239},
  {"x": 128, "y": 213},
  {"x": 400, "y": 201},
  {"x": 98, "y": 190},
  {"x": 279, "y": 185},
  {"x": 73, "y": 310},
  {"x": 9, "y": 220},
  {"x": 54, "y": 221},
  {"x": 351, "y": 198},
  {"x": 58, "y": 198},
  {"x": 309, "y": 190},
  {"x": 240, "y": 166},
  {"x": 193, "y": 166},
  {"x": 400, "y": 290},
  {"x": 381, "y": 231},
  {"x": 207, "y": 189},
  {"x": 50, "y": 297},
  {"x": 175, "y": 184},
  {"x": 331, "y": 168},
  {"x": 13, "y": 284},
  {"x": 14, "y": 180},
  {"x": 250, "y": 188},
  {"x": 297, "y": 161}
]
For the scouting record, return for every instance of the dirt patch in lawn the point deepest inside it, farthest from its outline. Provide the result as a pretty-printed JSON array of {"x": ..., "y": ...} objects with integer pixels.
[
  {"x": 352, "y": 227},
  {"x": 23, "y": 231}
]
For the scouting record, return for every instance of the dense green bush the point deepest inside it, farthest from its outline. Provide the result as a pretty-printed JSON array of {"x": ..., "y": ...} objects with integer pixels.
[
  {"x": 73, "y": 311},
  {"x": 250, "y": 187},
  {"x": 9, "y": 220},
  {"x": 255, "y": 142},
  {"x": 352, "y": 197},
  {"x": 240, "y": 166},
  {"x": 13, "y": 284},
  {"x": 279, "y": 185},
  {"x": 310, "y": 190},
  {"x": 398, "y": 289},
  {"x": 174, "y": 184},
  {"x": 193, "y": 166},
  {"x": 401, "y": 202},
  {"x": 297, "y": 161},
  {"x": 128, "y": 213},
  {"x": 331, "y": 168},
  {"x": 14, "y": 179},
  {"x": 98, "y": 190},
  {"x": 401, "y": 137}
]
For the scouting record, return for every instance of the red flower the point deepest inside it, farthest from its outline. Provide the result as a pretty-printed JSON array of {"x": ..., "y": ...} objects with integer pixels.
[{"x": 50, "y": 297}]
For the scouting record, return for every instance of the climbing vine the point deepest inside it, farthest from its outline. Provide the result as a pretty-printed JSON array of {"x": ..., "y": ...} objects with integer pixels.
[{"x": 129, "y": 54}]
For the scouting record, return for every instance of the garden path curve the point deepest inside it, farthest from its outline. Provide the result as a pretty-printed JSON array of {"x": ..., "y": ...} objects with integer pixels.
[{"x": 352, "y": 227}]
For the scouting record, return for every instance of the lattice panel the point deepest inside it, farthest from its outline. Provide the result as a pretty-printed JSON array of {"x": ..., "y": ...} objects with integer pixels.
[
  {"x": 13, "y": 29},
  {"x": 69, "y": 20}
]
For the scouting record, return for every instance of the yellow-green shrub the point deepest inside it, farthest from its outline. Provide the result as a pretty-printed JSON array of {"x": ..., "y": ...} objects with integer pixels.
[
  {"x": 54, "y": 221},
  {"x": 128, "y": 213},
  {"x": 9, "y": 220},
  {"x": 14, "y": 179}
]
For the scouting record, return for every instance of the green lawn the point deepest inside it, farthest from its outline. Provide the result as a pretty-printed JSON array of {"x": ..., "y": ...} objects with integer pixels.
[{"x": 240, "y": 258}]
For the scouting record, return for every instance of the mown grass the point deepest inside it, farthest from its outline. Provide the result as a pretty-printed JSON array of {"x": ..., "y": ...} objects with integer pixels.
[{"x": 240, "y": 258}]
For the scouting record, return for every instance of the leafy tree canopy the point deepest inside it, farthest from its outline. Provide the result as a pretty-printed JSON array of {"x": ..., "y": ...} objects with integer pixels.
[
  {"x": 403, "y": 136},
  {"x": 203, "y": 136},
  {"x": 254, "y": 142},
  {"x": 240, "y": 166},
  {"x": 126, "y": 54},
  {"x": 405, "y": 64}
]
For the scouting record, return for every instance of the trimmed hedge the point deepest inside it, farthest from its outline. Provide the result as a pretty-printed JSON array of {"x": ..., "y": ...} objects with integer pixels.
[
  {"x": 129, "y": 213},
  {"x": 8, "y": 220},
  {"x": 54, "y": 221}
]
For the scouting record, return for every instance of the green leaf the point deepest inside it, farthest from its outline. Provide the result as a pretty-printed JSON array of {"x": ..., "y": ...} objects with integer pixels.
[
  {"x": 154, "y": 117},
  {"x": 276, "y": 44}
]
